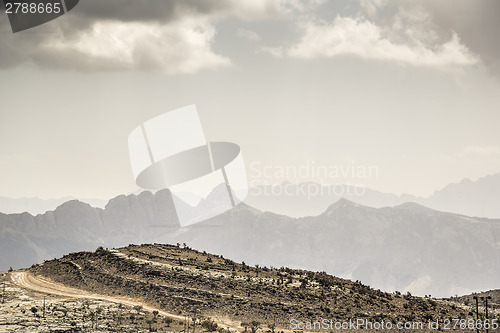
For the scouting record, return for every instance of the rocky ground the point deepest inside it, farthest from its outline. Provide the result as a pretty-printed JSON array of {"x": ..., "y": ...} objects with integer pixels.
[{"x": 24, "y": 310}]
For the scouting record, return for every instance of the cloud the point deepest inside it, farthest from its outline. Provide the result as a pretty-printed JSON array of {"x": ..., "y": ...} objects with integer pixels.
[
  {"x": 183, "y": 46},
  {"x": 372, "y": 6},
  {"x": 171, "y": 36},
  {"x": 261, "y": 9},
  {"x": 179, "y": 47},
  {"x": 382, "y": 30},
  {"x": 167, "y": 11},
  {"x": 362, "y": 38},
  {"x": 412, "y": 32},
  {"x": 476, "y": 22},
  {"x": 277, "y": 52},
  {"x": 248, "y": 34}
]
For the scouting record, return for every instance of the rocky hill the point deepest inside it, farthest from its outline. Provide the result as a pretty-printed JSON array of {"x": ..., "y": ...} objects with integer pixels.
[
  {"x": 493, "y": 297},
  {"x": 198, "y": 284}
]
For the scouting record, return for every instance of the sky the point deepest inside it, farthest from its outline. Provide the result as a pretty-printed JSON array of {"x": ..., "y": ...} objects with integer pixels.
[{"x": 409, "y": 87}]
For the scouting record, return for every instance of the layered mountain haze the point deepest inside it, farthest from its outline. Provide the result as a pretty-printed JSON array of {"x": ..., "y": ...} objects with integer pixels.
[
  {"x": 407, "y": 248},
  {"x": 36, "y": 206},
  {"x": 473, "y": 198},
  {"x": 311, "y": 199},
  {"x": 217, "y": 201},
  {"x": 76, "y": 226}
]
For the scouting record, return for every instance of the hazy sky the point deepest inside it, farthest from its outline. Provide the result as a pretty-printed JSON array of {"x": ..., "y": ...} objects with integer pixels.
[{"x": 411, "y": 87}]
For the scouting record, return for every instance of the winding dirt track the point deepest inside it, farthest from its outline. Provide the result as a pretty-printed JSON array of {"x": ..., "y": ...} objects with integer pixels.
[{"x": 26, "y": 280}]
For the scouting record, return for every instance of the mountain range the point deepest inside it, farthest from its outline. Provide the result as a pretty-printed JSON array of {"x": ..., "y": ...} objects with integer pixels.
[
  {"x": 473, "y": 198},
  {"x": 36, "y": 206},
  {"x": 407, "y": 248}
]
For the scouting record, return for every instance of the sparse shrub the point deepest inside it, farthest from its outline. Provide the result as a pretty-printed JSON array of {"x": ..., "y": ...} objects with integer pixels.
[
  {"x": 209, "y": 325},
  {"x": 254, "y": 326}
]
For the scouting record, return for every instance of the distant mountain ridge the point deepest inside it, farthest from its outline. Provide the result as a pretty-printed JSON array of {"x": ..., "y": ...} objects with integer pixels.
[
  {"x": 407, "y": 248},
  {"x": 479, "y": 198},
  {"x": 472, "y": 198},
  {"x": 35, "y": 206},
  {"x": 75, "y": 225}
]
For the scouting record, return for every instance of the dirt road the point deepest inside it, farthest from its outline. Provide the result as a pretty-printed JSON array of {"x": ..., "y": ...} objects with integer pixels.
[{"x": 36, "y": 283}]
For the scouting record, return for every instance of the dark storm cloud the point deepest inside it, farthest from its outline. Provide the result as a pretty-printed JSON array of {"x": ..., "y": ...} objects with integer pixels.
[
  {"x": 152, "y": 10},
  {"x": 170, "y": 35},
  {"x": 36, "y": 46},
  {"x": 477, "y": 23}
]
